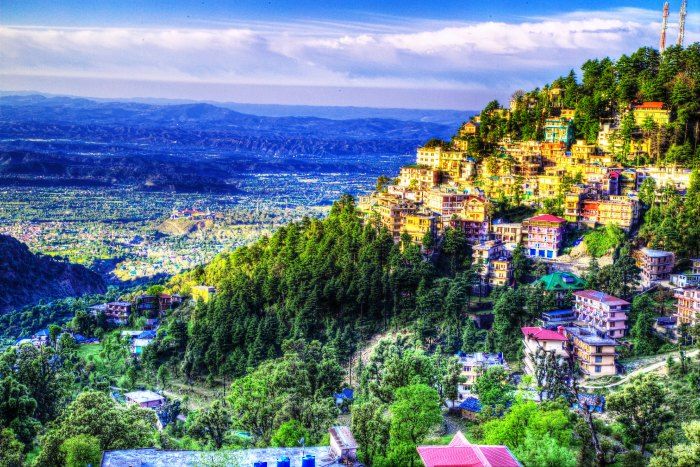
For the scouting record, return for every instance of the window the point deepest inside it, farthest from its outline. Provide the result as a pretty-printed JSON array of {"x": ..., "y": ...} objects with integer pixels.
[
  {"x": 598, "y": 349},
  {"x": 597, "y": 368},
  {"x": 598, "y": 359}
]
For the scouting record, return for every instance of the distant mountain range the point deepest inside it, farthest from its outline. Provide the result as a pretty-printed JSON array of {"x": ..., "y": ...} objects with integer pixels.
[
  {"x": 188, "y": 146},
  {"x": 27, "y": 278},
  {"x": 447, "y": 117}
]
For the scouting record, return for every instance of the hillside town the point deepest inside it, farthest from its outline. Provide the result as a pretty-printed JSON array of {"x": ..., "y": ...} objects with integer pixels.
[{"x": 283, "y": 290}]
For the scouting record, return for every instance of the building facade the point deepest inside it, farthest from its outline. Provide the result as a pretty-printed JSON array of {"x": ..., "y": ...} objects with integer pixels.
[
  {"x": 604, "y": 312},
  {"x": 535, "y": 338},
  {"x": 656, "y": 265},
  {"x": 595, "y": 354},
  {"x": 688, "y": 306},
  {"x": 543, "y": 236}
]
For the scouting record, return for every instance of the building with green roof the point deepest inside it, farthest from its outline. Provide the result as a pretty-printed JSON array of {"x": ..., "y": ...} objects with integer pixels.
[{"x": 561, "y": 283}]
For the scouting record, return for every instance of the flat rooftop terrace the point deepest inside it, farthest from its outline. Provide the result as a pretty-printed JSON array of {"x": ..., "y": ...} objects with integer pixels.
[{"x": 152, "y": 457}]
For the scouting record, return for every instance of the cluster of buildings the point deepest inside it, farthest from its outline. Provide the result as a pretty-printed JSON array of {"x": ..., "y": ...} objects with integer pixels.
[
  {"x": 447, "y": 187},
  {"x": 589, "y": 332},
  {"x": 150, "y": 306}
]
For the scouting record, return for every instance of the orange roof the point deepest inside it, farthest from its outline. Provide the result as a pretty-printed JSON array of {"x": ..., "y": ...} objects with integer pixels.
[{"x": 650, "y": 105}]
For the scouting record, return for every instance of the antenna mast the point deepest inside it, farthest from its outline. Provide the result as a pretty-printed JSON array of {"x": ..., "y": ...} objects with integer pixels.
[
  {"x": 664, "y": 25},
  {"x": 681, "y": 24}
]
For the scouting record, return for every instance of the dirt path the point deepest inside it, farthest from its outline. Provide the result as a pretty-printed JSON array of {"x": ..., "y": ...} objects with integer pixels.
[{"x": 639, "y": 371}]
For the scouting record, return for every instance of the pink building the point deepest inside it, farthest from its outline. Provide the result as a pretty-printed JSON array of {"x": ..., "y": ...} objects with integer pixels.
[
  {"x": 462, "y": 453},
  {"x": 604, "y": 312},
  {"x": 543, "y": 235}
]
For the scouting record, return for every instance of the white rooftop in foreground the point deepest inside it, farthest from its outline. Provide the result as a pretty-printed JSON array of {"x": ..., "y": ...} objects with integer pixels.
[
  {"x": 244, "y": 458},
  {"x": 143, "y": 396}
]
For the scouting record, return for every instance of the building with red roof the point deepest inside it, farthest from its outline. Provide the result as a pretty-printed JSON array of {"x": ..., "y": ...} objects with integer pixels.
[
  {"x": 656, "y": 111},
  {"x": 461, "y": 453},
  {"x": 543, "y": 235},
  {"x": 535, "y": 338}
]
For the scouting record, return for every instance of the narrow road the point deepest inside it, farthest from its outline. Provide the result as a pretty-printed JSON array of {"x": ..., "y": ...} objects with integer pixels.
[{"x": 639, "y": 371}]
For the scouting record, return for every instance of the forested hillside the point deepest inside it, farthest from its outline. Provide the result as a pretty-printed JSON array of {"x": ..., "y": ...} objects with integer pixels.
[
  {"x": 331, "y": 279},
  {"x": 27, "y": 278},
  {"x": 605, "y": 90}
]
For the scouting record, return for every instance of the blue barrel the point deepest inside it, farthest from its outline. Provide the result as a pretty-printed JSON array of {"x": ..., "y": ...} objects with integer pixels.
[
  {"x": 284, "y": 462},
  {"x": 259, "y": 464},
  {"x": 308, "y": 461}
]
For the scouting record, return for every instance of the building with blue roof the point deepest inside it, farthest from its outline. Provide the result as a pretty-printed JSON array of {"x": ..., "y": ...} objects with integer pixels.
[{"x": 470, "y": 408}]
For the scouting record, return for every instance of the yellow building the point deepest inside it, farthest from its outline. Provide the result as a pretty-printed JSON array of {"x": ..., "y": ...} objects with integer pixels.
[
  {"x": 203, "y": 293},
  {"x": 553, "y": 154},
  {"x": 419, "y": 177},
  {"x": 655, "y": 110},
  {"x": 501, "y": 272},
  {"x": 469, "y": 129},
  {"x": 568, "y": 113},
  {"x": 595, "y": 354},
  {"x": 548, "y": 186},
  {"x": 418, "y": 224},
  {"x": 429, "y": 157},
  {"x": 583, "y": 153},
  {"x": 622, "y": 211},
  {"x": 476, "y": 209}
]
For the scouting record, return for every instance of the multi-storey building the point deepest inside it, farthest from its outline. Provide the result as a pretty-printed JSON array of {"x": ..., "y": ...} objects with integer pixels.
[
  {"x": 594, "y": 353},
  {"x": 548, "y": 186},
  {"x": 656, "y": 111},
  {"x": 389, "y": 209},
  {"x": 553, "y": 154},
  {"x": 583, "y": 153},
  {"x": 558, "y": 130},
  {"x": 484, "y": 252},
  {"x": 418, "y": 224},
  {"x": 535, "y": 338},
  {"x": 685, "y": 279},
  {"x": 418, "y": 177},
  {"x": 696, "y": 266},
  {"x": 569, "y": 114},
  {"x": 510, "y": 234},
  {"x": 604, "y": 312},
  {"x": 656, "y": 265},
  {"x": 474, "y": 365},
  {"x": 526, "y": 156},
  {"x": 622, "y": 211},
  {"x": 118, "y": 311},
  {"x": 493, "y": 263},
  {"x": 474, "y": 218},
  {"x": 688, "y": 306},
  {"x": 543, "y": 235},
  {"x": 445, "y": 203},
  {"x": 501, "y": 273},
  {"x": 678, "y": 178},
  {"x": 429, "y": 156}
]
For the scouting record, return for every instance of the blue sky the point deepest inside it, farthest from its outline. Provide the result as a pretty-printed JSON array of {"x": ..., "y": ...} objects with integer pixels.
[{"x": 425, "y": 54}]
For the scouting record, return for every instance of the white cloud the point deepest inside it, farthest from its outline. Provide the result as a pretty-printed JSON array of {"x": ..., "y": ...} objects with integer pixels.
[{"x": 439, "y": 55}]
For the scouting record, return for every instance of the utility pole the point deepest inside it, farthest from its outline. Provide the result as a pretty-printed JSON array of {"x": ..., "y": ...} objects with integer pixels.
[
  {"x": 664, "y": 25},
  {"x": 681, "y": 23}
]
